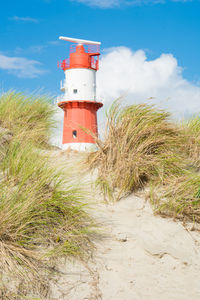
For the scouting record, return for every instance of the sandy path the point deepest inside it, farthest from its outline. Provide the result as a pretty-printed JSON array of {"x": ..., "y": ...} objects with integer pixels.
[{"x": 141, "y": 257}]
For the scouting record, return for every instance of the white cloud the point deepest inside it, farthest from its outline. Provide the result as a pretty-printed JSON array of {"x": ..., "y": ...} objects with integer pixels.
[
  {"x": 129, "y": 74},
  {"x": 32, "y": 49},
  {"x": 24, "y": 19},
  {"x": 35, "y": 48},
  {"x": 56, "y": 135},
  {"x": 20, "y": 66},
  {"x": 53, "y": 43},
  {"x": 100, "y": 3},
  {"x": 118, "y": 3}
]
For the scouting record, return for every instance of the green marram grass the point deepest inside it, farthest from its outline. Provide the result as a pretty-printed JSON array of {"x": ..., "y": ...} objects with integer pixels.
[
  {"x": 29, "y": 117},
  {"x": 191, "y": 146},
  {"x": 42, "y": 217},
  {"x": 143, "y": 148},
  {"x": 179, "y": 198},
  {"x": 140, "y": 145}
]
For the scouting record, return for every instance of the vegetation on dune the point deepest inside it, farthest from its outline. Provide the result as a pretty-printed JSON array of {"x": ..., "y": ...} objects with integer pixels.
[
  {"x": 142, "y": 147},
  {"x": 28, "y": 117},
  {"x": 191, "y": 145},
  {"x": 179, "y": 197},
  {"x": 39, "y": 220}
]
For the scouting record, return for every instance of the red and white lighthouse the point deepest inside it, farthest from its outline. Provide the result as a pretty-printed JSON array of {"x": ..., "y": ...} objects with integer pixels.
[{"x": 79, "y": 102}]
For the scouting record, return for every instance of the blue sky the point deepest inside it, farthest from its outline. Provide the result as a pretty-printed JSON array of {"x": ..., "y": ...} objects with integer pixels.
[{"x": 29, "y": 30}]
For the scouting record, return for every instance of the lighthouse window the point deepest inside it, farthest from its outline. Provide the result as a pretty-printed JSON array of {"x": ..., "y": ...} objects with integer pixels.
[
  {"x": 75, "y": 91},
  {"x": 74, "y": 134}
]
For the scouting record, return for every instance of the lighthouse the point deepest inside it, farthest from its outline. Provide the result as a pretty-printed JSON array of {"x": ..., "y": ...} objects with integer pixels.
[{"x": 79, "y": 101}]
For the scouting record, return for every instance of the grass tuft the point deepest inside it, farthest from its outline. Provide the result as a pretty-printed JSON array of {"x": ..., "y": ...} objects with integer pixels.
[
  {"x": 180, "y": 198},
  {"x": 29, "y": 117},
  {"x": 42, "y": 217},
  {"x": 143, "y": 148},
  {"x": 140, "y": 145},
  {"x": 192, "y": 143}
]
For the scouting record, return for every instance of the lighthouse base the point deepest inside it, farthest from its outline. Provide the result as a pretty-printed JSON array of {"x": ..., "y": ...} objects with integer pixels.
[{"x": 82, "y": 147}]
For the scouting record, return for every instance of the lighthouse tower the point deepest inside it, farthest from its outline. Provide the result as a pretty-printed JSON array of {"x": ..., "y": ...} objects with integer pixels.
[{"x": 79, "y": 101}]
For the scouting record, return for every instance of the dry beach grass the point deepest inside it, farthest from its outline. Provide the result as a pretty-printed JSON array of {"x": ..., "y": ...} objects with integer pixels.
[{"x": 142, "y": 147}]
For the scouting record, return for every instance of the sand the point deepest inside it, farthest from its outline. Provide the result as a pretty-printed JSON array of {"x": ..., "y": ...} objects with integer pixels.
[{"x": 139, "y": 257}]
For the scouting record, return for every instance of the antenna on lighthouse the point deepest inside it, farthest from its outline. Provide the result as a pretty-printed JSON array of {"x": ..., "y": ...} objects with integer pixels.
[{"x": 78, "y": 41}]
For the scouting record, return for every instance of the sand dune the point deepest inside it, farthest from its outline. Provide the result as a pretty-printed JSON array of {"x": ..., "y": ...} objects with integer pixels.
[{"x": 139, "y": 257}]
